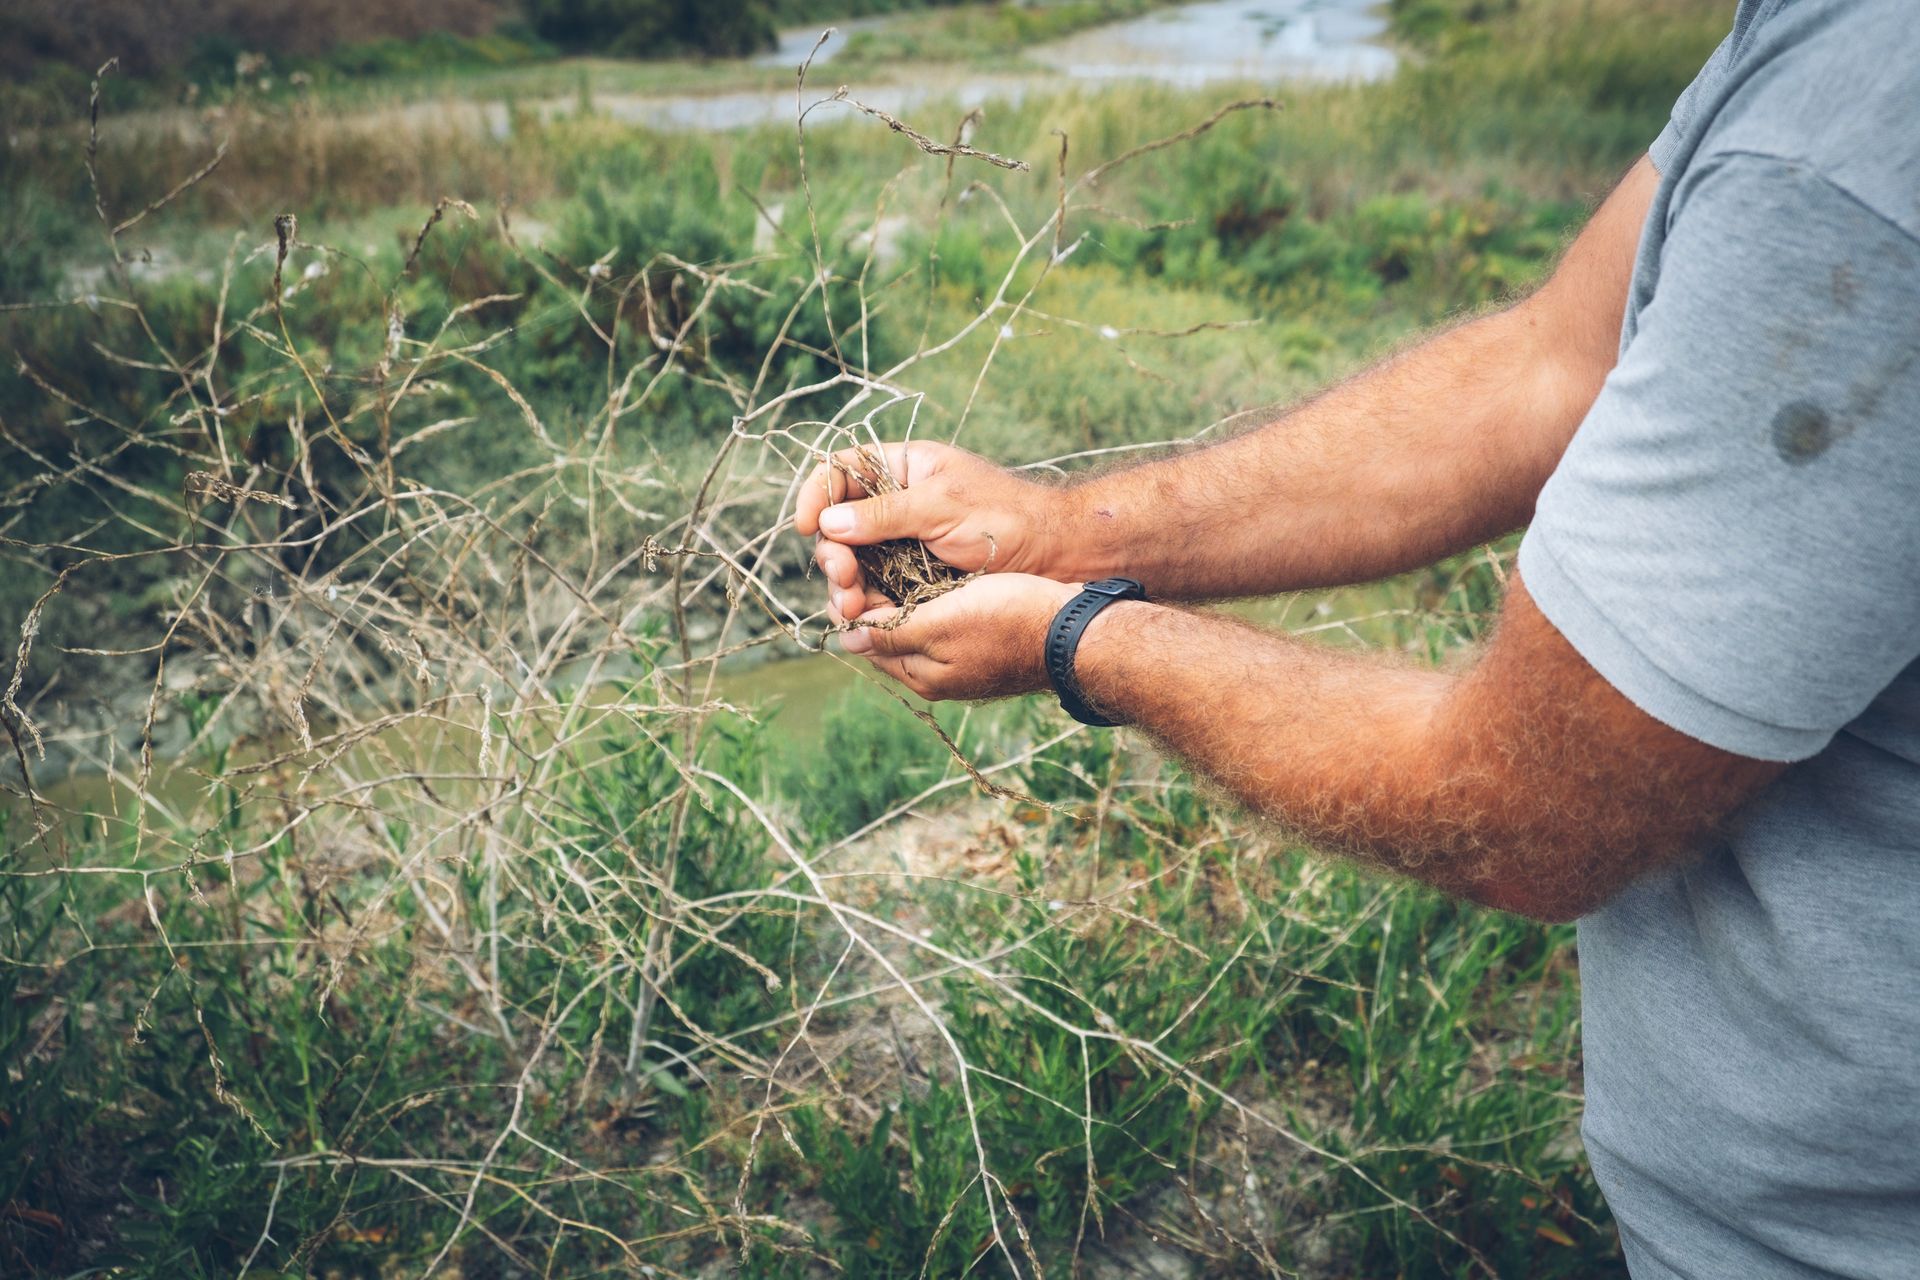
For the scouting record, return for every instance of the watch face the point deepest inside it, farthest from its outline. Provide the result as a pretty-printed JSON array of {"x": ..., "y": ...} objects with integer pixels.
[{"x": 1116, "y": 587}]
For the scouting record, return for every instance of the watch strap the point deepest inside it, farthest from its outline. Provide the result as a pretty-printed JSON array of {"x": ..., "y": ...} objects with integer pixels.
[{"x": 1063, "y": 640}]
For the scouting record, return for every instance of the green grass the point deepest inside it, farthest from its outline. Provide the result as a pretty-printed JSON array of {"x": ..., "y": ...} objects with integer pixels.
[
  {"x": 1441, "y": 1034},
  {"x": 989, "y": 35}
]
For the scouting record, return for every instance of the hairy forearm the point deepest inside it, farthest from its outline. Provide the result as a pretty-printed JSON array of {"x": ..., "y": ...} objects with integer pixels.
[
  {"x": 1512, "y": 783},
  {"x": 1437, "y": 450},
  {"x": 1432, "y": 452}
]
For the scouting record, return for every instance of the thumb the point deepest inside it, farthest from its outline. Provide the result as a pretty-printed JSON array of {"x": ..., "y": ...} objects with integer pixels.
[{"x": 905, "y": 514}]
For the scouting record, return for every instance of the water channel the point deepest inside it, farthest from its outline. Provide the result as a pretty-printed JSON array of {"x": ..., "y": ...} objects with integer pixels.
[{"x": 1189, "y": 46}]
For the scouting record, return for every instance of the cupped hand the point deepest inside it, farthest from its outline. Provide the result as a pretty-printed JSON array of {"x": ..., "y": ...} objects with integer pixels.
[
  {"x": 986, "y": 639},
  {"x": 970, "y": 513}
]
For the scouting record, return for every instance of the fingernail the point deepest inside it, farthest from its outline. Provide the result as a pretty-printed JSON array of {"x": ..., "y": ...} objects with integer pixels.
[
  {"x": 856, "y": 641},
  {"x": 850, "y": 603},
  {"x": 836, "y": 521}
]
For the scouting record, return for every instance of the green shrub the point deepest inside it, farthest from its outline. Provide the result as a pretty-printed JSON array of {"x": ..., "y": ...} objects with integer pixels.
[
  {"x": 870, "y": 755},
  {"x": 903, "y": 1208},
  {"x": 631, "y": 820},
  {"x": 1453, "y": 1032},
  {"x": 653, "y": 28},
  {"x": 45, "y": 1070}
]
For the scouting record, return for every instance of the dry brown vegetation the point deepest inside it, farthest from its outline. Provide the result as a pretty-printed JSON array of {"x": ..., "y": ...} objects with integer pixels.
[{"x": 160, "y": 35}]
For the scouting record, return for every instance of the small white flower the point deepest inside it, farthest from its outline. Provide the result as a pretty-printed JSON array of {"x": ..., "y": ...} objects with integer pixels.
[
  {"x": 599, "y": 271},
  {"x": 314, "y": 271},
  {"x": 1108, "y": 332},
  {"x": 333, "y": 591},
  {"x": 1006, "y": 332},
  {"x": 1056, "y": 905}
]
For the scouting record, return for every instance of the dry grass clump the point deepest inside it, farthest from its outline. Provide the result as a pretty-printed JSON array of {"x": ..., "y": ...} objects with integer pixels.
[
  {"x": 901, "y": 568},
  {"x": 906, "y": 572},
  {"x": 162, "y": 35}
]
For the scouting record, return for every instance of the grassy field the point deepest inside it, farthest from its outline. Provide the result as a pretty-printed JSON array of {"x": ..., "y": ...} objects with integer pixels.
[{"x": 455, "y": 924}]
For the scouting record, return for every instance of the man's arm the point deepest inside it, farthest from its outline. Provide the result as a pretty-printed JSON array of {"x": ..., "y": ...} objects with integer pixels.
[
  {"x": 1524, "y": 782},
  {"x": 1436, "y": 450},
  {"x": 1726, "y": 566},
  {"x": 1432, "y": 452}
]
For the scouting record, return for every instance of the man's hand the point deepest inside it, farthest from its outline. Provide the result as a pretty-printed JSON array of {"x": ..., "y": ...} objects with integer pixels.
[
  {"x": 970, "y": 513},
  {"x": 986, "y": 639}
]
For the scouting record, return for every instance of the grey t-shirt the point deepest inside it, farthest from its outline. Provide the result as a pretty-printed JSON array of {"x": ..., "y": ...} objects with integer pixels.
[{"x": 1733, "y": 541}]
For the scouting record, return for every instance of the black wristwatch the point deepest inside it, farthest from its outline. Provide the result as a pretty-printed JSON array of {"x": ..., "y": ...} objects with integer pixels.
[{"x": 1063, "y": 637}]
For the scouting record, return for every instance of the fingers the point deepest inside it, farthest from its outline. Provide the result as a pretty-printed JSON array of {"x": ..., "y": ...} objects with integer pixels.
[
  {"x": 841, "y": 478},
  {"x": 847, "y": 595},
  {"x": 827, "y": 484},
  {"x": 884, "y": 633},
  {"x": 838, "y": 562},
  {"x": 899, "y": 669},
  {"x": 846, "y": 606},
  {"x": 920, "y": 674},
  {"x": 879, "y": 639},
  {"x": 907, "y": 513},
  {"x": 847, "y": 592}
]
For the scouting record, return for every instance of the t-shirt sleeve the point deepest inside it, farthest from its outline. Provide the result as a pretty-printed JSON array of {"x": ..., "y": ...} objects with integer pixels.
[
  {"x": 1690, "y": 102},
  {"x": 1733, "y": 537}
]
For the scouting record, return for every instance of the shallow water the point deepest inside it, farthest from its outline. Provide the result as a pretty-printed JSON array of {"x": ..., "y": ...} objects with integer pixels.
[
  {"x": 1189, "y": 46},
  {"x": 1199, "y": 44},
  {"x": 797, "y": 42}
]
